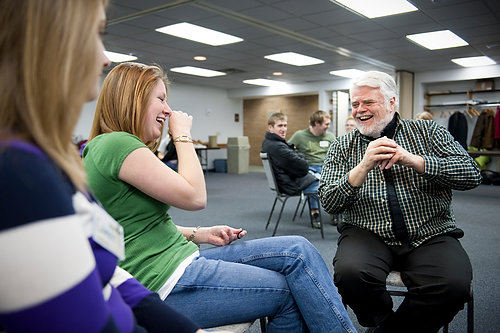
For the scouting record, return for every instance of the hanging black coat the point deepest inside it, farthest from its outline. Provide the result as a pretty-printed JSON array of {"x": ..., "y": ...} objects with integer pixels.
[{"x": 457, "y": 126}]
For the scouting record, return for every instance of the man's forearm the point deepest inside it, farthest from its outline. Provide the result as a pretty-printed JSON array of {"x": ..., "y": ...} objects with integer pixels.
[
  {"x": 417, "y": 163},
  {"x": 357, "y": 176}
]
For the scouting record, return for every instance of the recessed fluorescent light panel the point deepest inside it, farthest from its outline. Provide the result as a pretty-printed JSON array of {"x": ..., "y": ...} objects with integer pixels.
[
  {"x": 197, "y": 71},
  {"x": 350, "y": 73},
  {"x": 474, "y": 61},
  {"x": 436, "y": 40},
  {"x": 199, "y": 34},
  {"x": 295, "y": 59},
  {"x": 118, "y": 57},
  {"x": 265, "y": 82},
  {"x": 378, "y": 8}
]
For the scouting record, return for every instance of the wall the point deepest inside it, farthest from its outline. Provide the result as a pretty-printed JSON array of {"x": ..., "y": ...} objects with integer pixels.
[
  {"x": 342, "y": 111},
  {"x": 323, "y": 89},
  {"x": 82, "y": 129},
  {"x": 213, "y": 112},
  {"x": 404, "y": 81},
  {"x": 256, "y": 112}
]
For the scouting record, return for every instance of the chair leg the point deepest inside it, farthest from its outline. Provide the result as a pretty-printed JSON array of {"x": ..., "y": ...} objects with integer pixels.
[
  {"x": 297, "y": 208},
  {"x": 470, "y": 312},
  {"x": 321, "y": 221},
  {"x": 263, "y": 323},
  {"x": 279, "y": 216},
  {"x": 309, "y": 207},
  {"x": 304, "y": 205},
  {"x": 271, "y": 214}
]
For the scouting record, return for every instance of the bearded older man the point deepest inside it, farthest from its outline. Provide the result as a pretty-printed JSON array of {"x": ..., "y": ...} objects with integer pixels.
[{"x": 393, "y": 180}]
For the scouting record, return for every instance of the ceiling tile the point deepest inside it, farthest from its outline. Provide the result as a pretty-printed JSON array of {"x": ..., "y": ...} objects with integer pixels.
[
  {"x": 301, "y": 8},
  {"x": 412, "y": 18},
  {"x": 266, "y": 13},
  {"x": 326, "y": 28},
  {"x": 295, "y": 24},
  {"x": 236, "y": 5},
  {"x": 185, "y": 13},
  {"x": 125, "y": 30},
  {"x": 150, "y": 22},
  {"x": 356, "y": 27},
  {"x": 332, "y": 17},
  {"x": 374, "y": 36},
  {"x": 470, "y": 8}
]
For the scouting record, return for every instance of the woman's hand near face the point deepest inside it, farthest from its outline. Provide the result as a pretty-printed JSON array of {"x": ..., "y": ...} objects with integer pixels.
[
  {"x": 179, "y": 124},
  {"x": 184, "y": 189}
]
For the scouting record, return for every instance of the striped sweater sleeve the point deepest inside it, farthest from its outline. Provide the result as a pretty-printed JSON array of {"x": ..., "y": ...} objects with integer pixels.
[
  {"x": 149, "y": 310},
  {"x": 50, "y": 282}
]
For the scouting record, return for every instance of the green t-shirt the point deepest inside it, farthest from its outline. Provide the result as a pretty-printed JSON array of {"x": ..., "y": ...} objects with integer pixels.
[
  {"x": 153, "y": 245},
  {"x": 313, "y": 147}
]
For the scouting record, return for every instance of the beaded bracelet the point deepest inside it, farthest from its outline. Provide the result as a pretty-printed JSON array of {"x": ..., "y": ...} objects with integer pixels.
[
  {"x": 191, "y": 237},
  {"x": 183, "y": 138}
]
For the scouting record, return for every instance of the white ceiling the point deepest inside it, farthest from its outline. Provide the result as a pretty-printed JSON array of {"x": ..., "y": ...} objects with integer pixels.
[{"x": 317, "y": 28}]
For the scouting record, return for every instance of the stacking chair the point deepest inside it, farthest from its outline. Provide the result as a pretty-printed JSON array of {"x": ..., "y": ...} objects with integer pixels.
[
  {"x": 394, "y": 280},
  {"x": 282, "y": 197},
  {"x": 396, "y": 287},
  {"x": 240, "y": 328}
]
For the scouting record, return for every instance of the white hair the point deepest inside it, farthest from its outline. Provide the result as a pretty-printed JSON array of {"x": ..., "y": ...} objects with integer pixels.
[{"x": 380, "y": 80}]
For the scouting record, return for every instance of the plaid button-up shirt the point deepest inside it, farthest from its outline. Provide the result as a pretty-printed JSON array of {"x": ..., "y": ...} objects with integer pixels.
[{"x": 425, "y": 199}]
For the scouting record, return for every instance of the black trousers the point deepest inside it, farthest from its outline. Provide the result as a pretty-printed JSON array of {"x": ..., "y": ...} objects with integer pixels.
[{"x": 437, "y": 273}]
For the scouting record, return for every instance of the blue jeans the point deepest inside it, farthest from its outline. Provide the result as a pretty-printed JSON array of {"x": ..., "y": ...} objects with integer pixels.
[
  {"x": 313, "y": 188},
  {"x": 284, "y": 278},
  {"x": 171, "y": 164}
]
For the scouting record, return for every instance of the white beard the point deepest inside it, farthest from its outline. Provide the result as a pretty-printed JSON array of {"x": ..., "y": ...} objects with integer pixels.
[{"x": 376, "y": 129}]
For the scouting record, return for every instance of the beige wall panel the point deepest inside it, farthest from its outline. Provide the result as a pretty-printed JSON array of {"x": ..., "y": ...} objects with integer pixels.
[
  {"x": 404, "y": 81},
  {"x": 256, "y": 111}
]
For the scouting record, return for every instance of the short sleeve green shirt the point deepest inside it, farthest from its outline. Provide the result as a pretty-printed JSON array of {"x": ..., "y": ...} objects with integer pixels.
[
  {"x": 313, "y": 147},
  {"x": 153, "y": 245}
]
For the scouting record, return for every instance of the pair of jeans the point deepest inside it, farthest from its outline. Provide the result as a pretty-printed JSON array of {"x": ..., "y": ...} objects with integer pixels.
[
  {"x": 284, "y": 278},
  {"x": 313, "y": 188}
]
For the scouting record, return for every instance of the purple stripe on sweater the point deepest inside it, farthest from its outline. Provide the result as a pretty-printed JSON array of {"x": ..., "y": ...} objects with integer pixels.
[
  {"x": 105, "y": 261},
  {"x": 121, "y": 312},
  {"x": 133, "y": 292},
  {"x": 23, "y": 145},
  {"x": 80, "y": 309}
]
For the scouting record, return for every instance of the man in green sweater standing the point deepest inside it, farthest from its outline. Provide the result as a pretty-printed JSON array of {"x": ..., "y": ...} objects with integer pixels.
[{"x": 314, "y": 142}]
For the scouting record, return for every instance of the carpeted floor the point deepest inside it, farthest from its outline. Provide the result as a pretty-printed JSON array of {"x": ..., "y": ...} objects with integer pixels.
[{"x": 245, "y": 200}]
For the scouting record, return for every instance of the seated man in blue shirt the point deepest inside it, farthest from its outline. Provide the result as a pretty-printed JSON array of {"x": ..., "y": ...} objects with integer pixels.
[{"x": 393, "y": 180}]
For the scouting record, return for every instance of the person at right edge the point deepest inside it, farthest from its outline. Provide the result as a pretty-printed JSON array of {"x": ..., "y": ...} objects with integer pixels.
[{"x": 393, "y": 180}]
